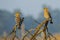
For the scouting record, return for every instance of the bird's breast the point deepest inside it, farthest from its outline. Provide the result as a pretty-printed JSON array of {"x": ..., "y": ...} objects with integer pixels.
[{"x": 46, "y": 14}]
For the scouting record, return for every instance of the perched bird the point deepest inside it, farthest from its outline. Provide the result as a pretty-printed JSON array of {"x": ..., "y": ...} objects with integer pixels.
[
  {"x": 47, "y": 15},
  {"x": 18, "y": 20}
]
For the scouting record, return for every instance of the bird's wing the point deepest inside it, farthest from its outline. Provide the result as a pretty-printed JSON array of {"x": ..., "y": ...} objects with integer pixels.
[{"x": 49, "y": 14}]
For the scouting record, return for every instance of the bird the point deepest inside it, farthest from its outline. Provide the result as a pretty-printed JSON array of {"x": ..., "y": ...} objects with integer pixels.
[
  {"x": 47, "y": 15},
  {"x": 18, "y": 20}
]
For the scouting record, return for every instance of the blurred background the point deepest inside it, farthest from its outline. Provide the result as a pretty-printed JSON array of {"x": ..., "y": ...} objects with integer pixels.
[{"x": 31, "y": 10}]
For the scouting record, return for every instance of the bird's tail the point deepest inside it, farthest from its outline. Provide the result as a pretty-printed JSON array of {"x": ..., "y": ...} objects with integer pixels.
[{"x": 51, "y": 21}]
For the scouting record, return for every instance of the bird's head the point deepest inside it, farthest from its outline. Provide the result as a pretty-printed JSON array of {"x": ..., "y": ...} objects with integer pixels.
[
  {"x": 17, "y": 14},
  {"x": 46, "y": 9}
]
